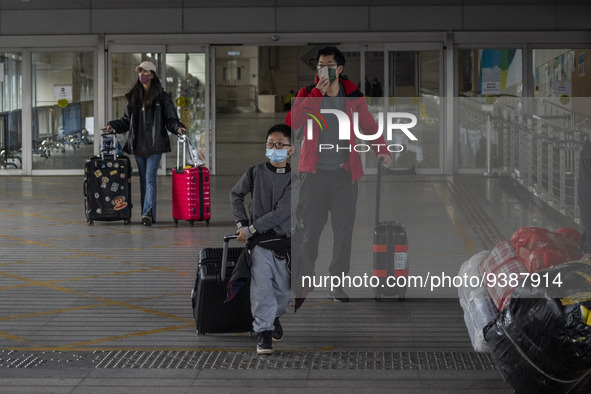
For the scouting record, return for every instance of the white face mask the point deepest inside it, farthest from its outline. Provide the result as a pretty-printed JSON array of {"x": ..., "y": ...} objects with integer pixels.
[{"x": 277, "y": 155}]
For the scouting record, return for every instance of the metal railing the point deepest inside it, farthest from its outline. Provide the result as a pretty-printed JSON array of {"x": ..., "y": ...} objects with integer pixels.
[{"x": 542, "y": 154}]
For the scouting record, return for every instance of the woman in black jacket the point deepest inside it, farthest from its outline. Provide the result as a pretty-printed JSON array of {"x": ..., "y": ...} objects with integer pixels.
[{"x": 149, "y": 115}]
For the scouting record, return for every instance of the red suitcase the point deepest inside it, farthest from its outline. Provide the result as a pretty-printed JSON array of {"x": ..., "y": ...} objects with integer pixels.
[
  {"x": 190, "y": 190},
  {"x": 390, "y": 253}
]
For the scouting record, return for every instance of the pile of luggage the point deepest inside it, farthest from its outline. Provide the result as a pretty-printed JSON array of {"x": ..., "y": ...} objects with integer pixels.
[{"x": 531, "y": 310}]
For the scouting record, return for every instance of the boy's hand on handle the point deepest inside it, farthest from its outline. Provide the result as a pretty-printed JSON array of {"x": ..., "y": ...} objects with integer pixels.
[
  {"x": 241, "y": 236},
  {"x": 182, "y": 130}
]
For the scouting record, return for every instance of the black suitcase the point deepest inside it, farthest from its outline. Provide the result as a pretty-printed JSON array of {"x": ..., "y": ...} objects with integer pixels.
[
  {"x": 390, "y": 253},
  {"x": 211, "y": 314},
  {"x": 107, "y": 184}
]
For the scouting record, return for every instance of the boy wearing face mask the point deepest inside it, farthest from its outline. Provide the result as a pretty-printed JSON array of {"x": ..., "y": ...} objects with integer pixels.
[{"x": 267, "y": 235}]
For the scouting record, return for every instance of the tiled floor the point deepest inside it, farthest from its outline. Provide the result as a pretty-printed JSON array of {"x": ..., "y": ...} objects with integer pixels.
[{"x": 107, "y": 308}]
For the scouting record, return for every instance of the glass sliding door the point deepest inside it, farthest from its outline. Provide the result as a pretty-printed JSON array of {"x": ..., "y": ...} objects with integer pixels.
[
  {"x": 62, "y": 108},
  {"x": 560, "y": 79},
  {"x": 11, "y": 111},
  {"x": 413, "y": 84},
  {"x": 182, "y": 74},
  {"x": 252, "y": 84},
  {"x": 489, "y": 81},
  {"x": 186, "y": 80},
  {"x": 373, "y": 85}
]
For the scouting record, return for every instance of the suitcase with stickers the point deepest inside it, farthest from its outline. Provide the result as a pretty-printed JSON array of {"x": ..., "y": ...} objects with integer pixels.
[
  {"x": 390, "y": 253},
  {"x": 107, "y": 184}
]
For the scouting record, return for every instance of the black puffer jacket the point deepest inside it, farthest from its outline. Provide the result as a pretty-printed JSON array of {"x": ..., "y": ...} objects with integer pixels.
[{"x": 160, "y": 117}]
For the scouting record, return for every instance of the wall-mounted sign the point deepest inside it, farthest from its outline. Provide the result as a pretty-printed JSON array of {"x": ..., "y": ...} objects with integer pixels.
[
  {"x": 491, "y": 80},
  {"x": 63, "y": 94},
  {"x": 563, "y": 87}
]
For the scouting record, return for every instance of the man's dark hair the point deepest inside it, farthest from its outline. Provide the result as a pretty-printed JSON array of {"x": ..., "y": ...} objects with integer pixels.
[
  {"x": 281, "y": 128},
  {"x": 327, "y": 51}
]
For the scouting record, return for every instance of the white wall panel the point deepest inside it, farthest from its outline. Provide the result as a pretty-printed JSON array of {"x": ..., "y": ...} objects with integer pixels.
[
  {"x": 509, "y": 17},
  {"x": 573, "y": 17},
  {"x": 148, "y": 20},
  {"x": 415, "y": 18},
  {"x": 45, "y": 22},
  {"x": 307, "y": 19},
  {"x": 306, "y": 16},
  {"x": 229, "y": 20}
]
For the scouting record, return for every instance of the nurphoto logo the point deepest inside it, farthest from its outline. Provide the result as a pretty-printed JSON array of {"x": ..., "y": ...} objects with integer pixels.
[{"x": 345, "y": 129}]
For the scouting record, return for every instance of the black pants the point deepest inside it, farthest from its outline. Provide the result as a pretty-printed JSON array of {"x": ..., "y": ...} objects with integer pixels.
[
  {"x": 584, "y": 195},
  {"x": 321, "y": 193}
]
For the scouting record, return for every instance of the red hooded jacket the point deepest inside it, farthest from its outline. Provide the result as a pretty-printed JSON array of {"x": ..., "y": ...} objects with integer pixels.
[{"x": 309, "y": 99}]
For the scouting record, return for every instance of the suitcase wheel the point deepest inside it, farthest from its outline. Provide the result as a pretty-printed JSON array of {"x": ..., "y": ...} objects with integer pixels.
[
  {"x": 127, "y": 222},
  {"x": 191, "y": 221},
  {"x": 90, "y": 222},
  {"x": 207, "y": 222},
  {"x": 176, "y": 222},
  {"x": 401, "y": 299}
]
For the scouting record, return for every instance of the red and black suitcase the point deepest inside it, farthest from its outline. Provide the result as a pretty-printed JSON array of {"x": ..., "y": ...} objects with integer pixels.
[
  {"x": 212, "y": 314},
  {"x": 191, "y": 199},
  {"x": 107, "y": 184},
  {"x": 390, "y": 253}
]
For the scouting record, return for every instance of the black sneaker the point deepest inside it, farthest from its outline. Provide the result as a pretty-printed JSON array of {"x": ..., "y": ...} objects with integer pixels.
[
  {"x": 265, "y": 342},
  {"x": 278, "y": 331},
  {"x": 147, "y": 220},
  {"x": 339, "y": 295}
]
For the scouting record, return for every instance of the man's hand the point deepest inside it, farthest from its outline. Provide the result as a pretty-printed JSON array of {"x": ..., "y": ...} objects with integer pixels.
[
  {"x": 323, "y": 85},
  {"x": 182, "y": 130},
  {"x": 108, "y": 129},
  {"x": 387, "y": 158}
]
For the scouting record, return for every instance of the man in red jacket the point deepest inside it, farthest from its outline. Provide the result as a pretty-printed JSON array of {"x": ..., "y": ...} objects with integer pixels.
[{"x": 330, "y": 166}]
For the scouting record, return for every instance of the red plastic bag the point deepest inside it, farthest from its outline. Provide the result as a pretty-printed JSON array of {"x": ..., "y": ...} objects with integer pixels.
[
  {"x": 538, "y": 248},
  {"x": 544, "y": 255}
]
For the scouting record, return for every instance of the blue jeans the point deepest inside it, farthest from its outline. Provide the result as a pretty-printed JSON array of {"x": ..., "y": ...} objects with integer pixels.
[{"x": 148, "y": 169}]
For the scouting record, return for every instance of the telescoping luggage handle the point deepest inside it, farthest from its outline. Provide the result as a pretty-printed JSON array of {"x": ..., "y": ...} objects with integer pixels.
[
  {"x": 378, "y": 187},
  {"x": 109, "y": 144},
  {"x": 180, "y": 140},
  {"x": 227, "y": 239},
  {"x": 195, "y": 155}
]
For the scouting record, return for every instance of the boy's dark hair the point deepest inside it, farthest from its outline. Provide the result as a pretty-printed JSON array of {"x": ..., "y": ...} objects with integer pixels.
[
  {"x": 327, "y": 51},
  {"x": 281, "y": 128}
]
